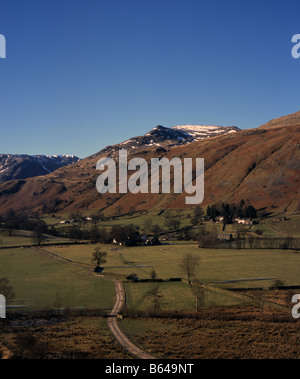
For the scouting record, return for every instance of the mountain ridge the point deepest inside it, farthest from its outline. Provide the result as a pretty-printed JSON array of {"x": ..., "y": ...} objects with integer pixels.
[
  {"x": 259, "y": 165},
  {"x": 23, "y": 166},
  {"x": 162, "y": 136}
]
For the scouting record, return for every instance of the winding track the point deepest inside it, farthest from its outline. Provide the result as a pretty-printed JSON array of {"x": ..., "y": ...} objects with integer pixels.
[{"x": 118, "y": 306}]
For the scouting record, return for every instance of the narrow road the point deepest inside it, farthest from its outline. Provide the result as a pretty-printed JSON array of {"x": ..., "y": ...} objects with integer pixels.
[
  {"x": 113, "y": 322},
  {"x": 118, "y": 307},
  {"x": 114, "y": 327}
]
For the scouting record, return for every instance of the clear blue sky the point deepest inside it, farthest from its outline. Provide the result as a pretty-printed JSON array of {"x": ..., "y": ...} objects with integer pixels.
[{"x": 80, "y": 75}]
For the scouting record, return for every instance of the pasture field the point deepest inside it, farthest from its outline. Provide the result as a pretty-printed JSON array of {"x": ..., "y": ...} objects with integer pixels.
[
  {"x": 216, "y": 265},
  {"x": 137, "y": 218},
  {"x": 24, "y": 238},
  {"x": 219, "y": 268},
  {"x": 231, "y": 324},
  {"x": 40, "y": 282},
  {"x": 290, "y": 226}
]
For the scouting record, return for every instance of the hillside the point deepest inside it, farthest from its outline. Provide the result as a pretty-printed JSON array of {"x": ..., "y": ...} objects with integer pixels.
[
  {"x": 292, "y": 119},
  {"x": 21, "y": 166},
  {"x": 259, "y": 165}
]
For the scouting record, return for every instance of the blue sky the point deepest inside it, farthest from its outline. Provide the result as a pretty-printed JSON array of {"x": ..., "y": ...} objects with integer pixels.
[{"x": 80, "y": 75}]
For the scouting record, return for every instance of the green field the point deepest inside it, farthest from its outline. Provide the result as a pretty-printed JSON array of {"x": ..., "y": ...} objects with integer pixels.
[
  {"x": 24, "y": 238},
  {"x": 40, "y": 281},
  {"x": 217, "y": 265},
  {"x": 290, "y": 226}
]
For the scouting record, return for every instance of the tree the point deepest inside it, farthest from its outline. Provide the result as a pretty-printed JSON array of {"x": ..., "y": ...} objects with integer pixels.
[
  {"x": 251, "y": 212},
  {"x": 198, "y": 214},
  {"x": 156, "y": 229},
  {"x": 188, "y": 266},
  {"x": 199, "y": 293},
  {"x": 148, "y": 224},
  {"x": 172, "y": 223},
  {"x": 153, "y": 274},
  {"x": 207, "y": 239},
  {"x": 157, "y": 299},
  {"x": 97, "y": 217},
  {"x": 37, "y": 237},
  {"x": 99, "y": 256},
  {"x": 75, "y": 232},
  {"x": 95, "y": 234},
  {"x": 6, "y": 289}
]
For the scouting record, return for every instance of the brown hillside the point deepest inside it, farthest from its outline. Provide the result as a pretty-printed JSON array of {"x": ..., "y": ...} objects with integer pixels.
[
  {"x": 260, "y": 166},
  {"x": 292, "y": 119}
]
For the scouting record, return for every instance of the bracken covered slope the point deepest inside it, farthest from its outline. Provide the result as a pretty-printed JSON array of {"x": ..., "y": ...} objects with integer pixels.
[{"x": 261, "y": 166}]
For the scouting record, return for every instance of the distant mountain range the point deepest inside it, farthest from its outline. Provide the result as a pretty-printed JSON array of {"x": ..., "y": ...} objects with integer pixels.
[
  {"x": 17, "y": 166},
  {"x": 259, "y": 165}
]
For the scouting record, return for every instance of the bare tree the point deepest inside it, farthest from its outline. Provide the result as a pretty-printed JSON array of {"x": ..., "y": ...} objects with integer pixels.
[
  {"x": 153, "y": 274},
  {"x": 96, "y": 218},
  {"x": 199, "y": 292},
  {"x": 188, "y": 266},
  {"x": 99, "y": 256},
  {"x": 37, "y": 237},
  {"x": 157, "y": 299}
]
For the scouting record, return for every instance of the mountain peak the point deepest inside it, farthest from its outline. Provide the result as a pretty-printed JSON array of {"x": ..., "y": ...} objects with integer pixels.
[{"x": 162, "y": 136}]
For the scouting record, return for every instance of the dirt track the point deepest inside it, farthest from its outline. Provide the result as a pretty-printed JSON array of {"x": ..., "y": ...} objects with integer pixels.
[
  {"x": 113, "y": 321},
  {"x": 118, "y": 306}
]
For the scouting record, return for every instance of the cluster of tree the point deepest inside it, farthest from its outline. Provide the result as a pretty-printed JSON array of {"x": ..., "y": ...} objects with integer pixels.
[
  {"x": 149, "y": 227},
  {"x": 252, "y": 242},
  {"x": 207, "y": 238},
  {"x": 128, "y": 234},
  {"x": 197, "y": 215},
  {"x": 231, "y": 211},
  {"x": 21, "y": 221}
]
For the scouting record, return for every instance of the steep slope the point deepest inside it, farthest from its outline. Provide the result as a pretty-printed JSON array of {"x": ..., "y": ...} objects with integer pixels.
[
  {"x": 292, "y": 119},
  {"x": 27, "y": 166},
  {"x": 259, "y": 165}
]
